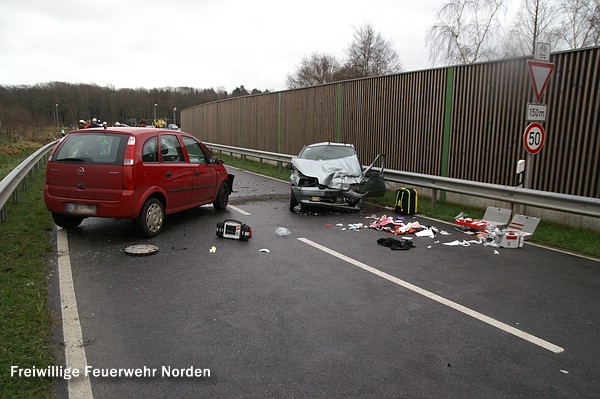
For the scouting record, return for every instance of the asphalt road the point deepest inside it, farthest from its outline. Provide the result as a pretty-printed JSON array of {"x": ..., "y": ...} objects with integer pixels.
[{"x": 327, "y": 312}]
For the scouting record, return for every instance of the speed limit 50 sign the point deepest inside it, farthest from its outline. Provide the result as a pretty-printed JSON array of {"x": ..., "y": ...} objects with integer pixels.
[{"x": 534, "y": 137}]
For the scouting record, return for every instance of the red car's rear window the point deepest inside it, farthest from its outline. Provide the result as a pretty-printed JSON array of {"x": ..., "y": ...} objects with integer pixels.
[{"x": 92, "y": 148}]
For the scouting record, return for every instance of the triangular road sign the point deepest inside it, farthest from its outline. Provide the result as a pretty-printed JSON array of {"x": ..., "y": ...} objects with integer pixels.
[{"x": 540, "y": 75}]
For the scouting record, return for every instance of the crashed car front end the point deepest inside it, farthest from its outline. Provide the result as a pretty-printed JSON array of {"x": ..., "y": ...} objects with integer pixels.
[
  {"x": 340, "y": 194},
  {"x": 338, "y": 183}
]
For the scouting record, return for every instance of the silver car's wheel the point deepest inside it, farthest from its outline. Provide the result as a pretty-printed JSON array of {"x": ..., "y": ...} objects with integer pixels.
[{"x": 151, "y": 219}]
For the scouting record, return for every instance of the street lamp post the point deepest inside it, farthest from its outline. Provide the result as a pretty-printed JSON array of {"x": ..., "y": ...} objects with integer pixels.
[
  {"x": 57, "y": 116},
  {"x": 174, "y": 120},
  {"x": 155, "y": 112}
]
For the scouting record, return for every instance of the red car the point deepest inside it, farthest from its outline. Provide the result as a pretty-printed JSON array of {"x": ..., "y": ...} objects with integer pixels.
[{"x": 132, "y": 173}]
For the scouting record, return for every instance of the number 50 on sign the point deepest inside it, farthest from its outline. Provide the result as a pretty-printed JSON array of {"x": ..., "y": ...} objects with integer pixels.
[{"x": 534, "y": 137}]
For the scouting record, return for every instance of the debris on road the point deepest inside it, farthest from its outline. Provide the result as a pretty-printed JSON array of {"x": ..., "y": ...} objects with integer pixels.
[
  {"x": 491, "y": 234},
  {"x": 491, "y": 228},
  {"x": 395, "y": 244},
  {"x": 282, "y": 231},
  {"x": 397, "y": 226},
  {"x": 234, "y": 229},
  {"x": 141, "y": 249}
]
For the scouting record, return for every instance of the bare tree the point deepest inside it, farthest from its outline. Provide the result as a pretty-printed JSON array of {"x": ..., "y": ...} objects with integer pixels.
[
  {"x": 318, "y": 69},
  {"x": 370, "y": 55},
  {"x": 580, "y": 23},
  {"x": 463, "y": 32},
  {"x": 536, "y": 21}
]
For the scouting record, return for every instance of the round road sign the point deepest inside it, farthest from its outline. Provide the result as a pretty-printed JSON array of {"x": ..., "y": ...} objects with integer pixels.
[{"x": 534, "y": 137}]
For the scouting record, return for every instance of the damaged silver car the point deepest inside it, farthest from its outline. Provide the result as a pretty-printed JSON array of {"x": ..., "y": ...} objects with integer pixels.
[{"x": 330, "y": 175}]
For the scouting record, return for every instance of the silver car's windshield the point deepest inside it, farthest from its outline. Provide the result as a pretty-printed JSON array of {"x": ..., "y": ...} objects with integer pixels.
[{"x": 326, "y": 152}]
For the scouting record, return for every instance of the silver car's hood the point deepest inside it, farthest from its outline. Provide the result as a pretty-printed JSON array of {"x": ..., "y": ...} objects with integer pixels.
[{"x": 336, "y": 173}]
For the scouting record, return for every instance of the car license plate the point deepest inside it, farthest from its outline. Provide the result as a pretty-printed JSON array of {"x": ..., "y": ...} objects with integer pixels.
[
  {"x": 315, "y": 199},
  {"x": 80, "y": 209}
]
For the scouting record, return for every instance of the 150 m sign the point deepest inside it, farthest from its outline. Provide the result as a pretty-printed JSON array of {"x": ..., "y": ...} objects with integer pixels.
[{"x": 534, "y": 137}]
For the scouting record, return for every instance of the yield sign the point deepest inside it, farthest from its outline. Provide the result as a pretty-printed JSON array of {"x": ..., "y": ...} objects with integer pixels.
[{"x": 540, "y": 75}]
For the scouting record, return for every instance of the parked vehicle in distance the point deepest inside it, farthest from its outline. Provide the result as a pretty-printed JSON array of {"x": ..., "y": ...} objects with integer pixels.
[
  {"x": 172, "y": 126},
  {"x": 330, "y": 175},
  {"x": 134, "y": 173}
]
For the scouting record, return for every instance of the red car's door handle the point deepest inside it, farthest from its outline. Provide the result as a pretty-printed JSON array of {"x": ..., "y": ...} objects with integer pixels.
[{"x": 169, "y": 174}]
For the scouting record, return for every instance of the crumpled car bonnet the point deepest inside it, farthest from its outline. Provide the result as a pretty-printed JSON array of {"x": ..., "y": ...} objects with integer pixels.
[{"x": 336, "y": 173}]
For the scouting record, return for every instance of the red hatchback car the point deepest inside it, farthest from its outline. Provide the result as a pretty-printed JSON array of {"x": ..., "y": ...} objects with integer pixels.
[{"x": 132, "y": 173}]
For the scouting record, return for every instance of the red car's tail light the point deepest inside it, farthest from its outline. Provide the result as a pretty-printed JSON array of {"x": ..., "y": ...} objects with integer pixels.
[{"x": 129, "y": 160}]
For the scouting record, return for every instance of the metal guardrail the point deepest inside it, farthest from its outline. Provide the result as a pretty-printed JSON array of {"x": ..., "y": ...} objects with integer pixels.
[
  {"x": 19, "y": 175},
  {"x": 271, "y": 156},
  {"x": 573, "y": 204}
]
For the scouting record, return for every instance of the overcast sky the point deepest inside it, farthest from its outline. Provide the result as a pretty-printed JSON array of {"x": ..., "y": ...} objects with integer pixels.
[{"x": 218, "y": 44}]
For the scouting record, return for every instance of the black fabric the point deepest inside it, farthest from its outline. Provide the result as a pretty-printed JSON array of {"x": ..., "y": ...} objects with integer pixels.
[{"x": 396, "y": 245}]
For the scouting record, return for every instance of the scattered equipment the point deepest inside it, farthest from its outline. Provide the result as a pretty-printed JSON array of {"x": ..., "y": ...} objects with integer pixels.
[
  {"x": 406, "y": 201},
  {"x": 234, "y": 229}
]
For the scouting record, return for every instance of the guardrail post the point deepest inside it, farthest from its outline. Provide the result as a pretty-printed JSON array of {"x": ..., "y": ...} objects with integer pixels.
[
  {"x": 434, "y": 198},
  {"x": 3, "y": 215}
]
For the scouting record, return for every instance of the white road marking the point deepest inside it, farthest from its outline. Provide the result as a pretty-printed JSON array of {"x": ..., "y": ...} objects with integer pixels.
[
  {"x": 463, "y": 309},
  {"x": 80, "y": 387},
  {"x": 235, "y": 208}
]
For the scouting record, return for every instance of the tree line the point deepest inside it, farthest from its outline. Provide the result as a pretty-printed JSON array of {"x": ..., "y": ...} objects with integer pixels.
[{"x": 61, "y": 105}]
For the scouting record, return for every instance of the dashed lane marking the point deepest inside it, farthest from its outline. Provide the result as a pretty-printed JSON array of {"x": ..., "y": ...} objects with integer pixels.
[{"x": 235, "y": 208}]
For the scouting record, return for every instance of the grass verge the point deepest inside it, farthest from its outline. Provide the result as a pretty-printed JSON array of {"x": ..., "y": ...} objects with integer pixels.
[
  {"x": 547, "y": 233},
  {"x": 25, "y": 336}
]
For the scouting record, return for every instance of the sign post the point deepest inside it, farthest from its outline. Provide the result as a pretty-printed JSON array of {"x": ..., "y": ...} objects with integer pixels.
[{"x": 540, "y": 70}]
